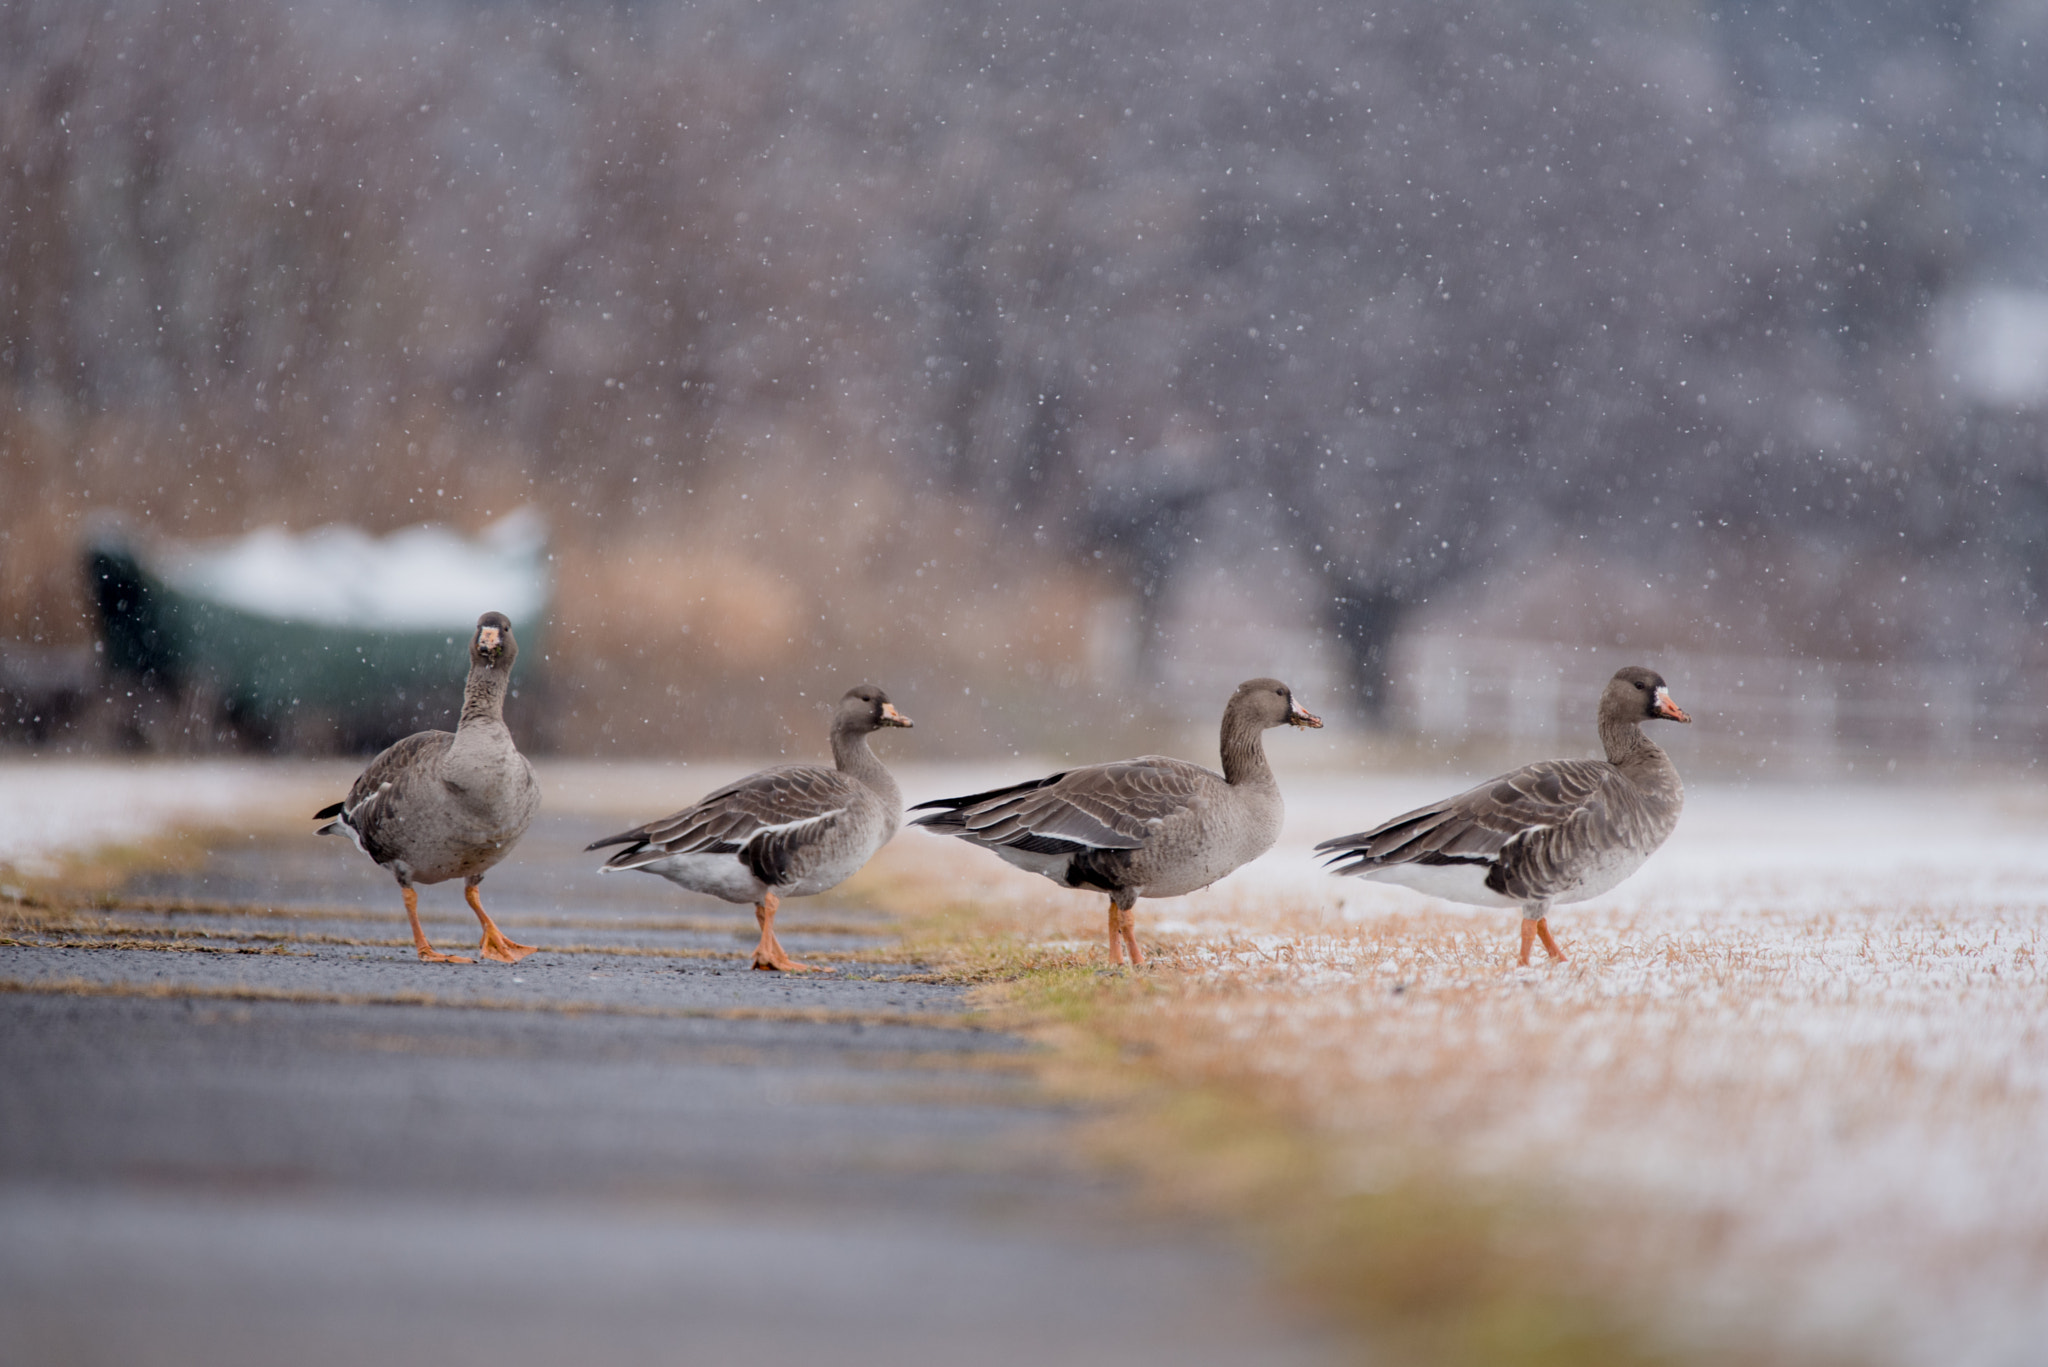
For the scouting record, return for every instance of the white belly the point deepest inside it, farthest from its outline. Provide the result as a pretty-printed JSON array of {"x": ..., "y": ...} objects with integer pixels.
[
  {"x": 1467, "y": 882},
  {"x": 1053, "y": 866},
  {"x": 1453, "y": 882},
  {"x": 719, "y": 875}
]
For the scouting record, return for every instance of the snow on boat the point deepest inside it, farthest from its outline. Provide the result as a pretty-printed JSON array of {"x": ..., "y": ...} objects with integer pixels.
[{"x": 357, "y": 633}]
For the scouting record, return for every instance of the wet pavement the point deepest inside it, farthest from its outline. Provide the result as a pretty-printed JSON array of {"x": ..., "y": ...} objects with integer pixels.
[{"x": 241, "y": 1123}]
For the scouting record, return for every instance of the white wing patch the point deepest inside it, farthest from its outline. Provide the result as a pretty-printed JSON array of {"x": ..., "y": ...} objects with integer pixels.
[
  {"x": 352, "y": 818},
  {"x": 362, "y": 809},
  {"x": 819, "y": 820}
]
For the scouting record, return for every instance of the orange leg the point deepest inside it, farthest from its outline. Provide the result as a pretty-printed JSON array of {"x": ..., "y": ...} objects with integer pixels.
[
  {"x": 769, "y": 956},
  {"x": 1123, "y": 934},
  {"x": 494, "y": 945},
  {"x": 428, "y": 954},
  {"x": 1533, "y": 927}
]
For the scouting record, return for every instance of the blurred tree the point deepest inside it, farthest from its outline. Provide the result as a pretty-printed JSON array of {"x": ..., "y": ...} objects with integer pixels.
[{"x": 1427, "y": 289}]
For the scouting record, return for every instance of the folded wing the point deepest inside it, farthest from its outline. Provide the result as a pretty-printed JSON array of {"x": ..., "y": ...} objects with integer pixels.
[
  {"x": 1102, "y": 807},
  {"x": 766, "y": 819},
  {"x": 1520, "y": 827}
]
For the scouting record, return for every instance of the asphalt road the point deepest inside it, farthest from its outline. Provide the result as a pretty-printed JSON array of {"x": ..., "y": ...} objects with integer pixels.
[{"x": 241, "y": 1124}]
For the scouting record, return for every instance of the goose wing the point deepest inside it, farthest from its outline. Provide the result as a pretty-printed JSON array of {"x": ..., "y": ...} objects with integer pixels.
[
  {"x": 1117, "y": 806},
  {"x": 766, "y": 819},
  {"x": 373, "y": 814},
  {"x": 1497, "y": 823}
]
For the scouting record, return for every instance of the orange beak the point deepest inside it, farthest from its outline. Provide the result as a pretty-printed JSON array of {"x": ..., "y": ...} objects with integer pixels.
[
  {"x": 1301, "y": 718},
  {"x": 891, "y": 717},
  {"x": 487, "y": 637},
  {"x": 1667, "y": 709}
]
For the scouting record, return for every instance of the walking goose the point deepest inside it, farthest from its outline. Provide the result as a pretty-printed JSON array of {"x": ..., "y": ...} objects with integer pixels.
[
  {"x": 437, "y": 806},
  {"x": 1562, "y": 830},
  {"x": 1146, "y": 827},
  {"x": 788, "y": 831}
]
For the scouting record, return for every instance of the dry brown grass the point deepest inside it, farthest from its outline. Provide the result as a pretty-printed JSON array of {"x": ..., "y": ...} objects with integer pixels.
[
  {"x": 1770, "y": 1112},
  {"x": 707, "y": 615},
  {"x": 1807, "y": 1140},
  {"x": 1786, "y": 1104},
  {"x": 77, "y": 878},
  {"x": 1428, "y": 1271},
  {"x": 728, "y": 629}
]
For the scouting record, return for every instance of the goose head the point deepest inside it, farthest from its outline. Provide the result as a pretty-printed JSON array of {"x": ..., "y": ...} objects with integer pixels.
[
  {"x": 1266, "y": 703},
  {"x": 866, "y": 708},
  {"x": 1636, "y": 694},
  {"x": 492, "y": 645}
]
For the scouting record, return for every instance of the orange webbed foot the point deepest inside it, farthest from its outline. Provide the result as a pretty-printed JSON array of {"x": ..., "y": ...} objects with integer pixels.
[
  {"x": 494, "y": 945},
  {"x": 769, "y": 955},
  {"x": 776, "y": 961},
  {"x": 504, "y": 951}
]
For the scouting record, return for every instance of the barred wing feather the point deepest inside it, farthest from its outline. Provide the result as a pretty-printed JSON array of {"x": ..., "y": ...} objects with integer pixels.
[
  {"x": 1102, "y": 807},
  {"x": 773, "y": 812},
  {"x": 1476, "y": 826}
]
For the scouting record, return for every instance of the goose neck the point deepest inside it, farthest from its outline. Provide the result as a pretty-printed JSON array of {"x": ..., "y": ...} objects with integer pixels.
[
  {"x": 483, "y": 697},
  {"x": 851, "y": 754},
  {"x": 1627, "y": 745},
  {"x": 1244, "y": 753}
]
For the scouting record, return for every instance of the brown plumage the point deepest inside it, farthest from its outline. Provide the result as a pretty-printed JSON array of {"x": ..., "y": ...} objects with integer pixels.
[
  {"x": 788, "y": 831},
  {"x": 440, "y": 805},
  {"x": 1562, "y": 830},
  {"x": 1147, "y": 827}
]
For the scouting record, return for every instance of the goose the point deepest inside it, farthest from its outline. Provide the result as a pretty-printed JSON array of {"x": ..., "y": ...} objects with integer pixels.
[
  {"x": 791, "y": 830},
  {"x": 437, "y": 805},
  {"x": 1561, "y": 830},
  {"x": 1146, "y": 827}
]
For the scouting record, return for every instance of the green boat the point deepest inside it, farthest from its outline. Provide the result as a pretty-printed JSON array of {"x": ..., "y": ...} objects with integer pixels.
[{"x": 330, "y": 632}]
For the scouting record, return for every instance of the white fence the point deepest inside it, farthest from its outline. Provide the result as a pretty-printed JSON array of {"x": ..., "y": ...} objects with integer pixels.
[
  {"x": 1810, "y": 716},
  {"x": 1531, "y": 697}
]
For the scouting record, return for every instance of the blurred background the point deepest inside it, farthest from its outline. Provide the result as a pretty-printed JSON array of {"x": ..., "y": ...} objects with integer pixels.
[{"x": 1054, "y": 365}]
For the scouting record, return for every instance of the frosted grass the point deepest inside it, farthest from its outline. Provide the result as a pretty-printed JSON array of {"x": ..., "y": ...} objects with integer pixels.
[{"x": 1795, "y": 1075}]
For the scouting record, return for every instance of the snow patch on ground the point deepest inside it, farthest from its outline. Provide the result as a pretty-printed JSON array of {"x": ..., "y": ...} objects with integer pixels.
[
  {"x": 1799, "y": 1062},
  {"x": 1795, "y": 1075},
  {"x": 49, "y": 809},
  {"x": 1803, "y": 1054}
]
